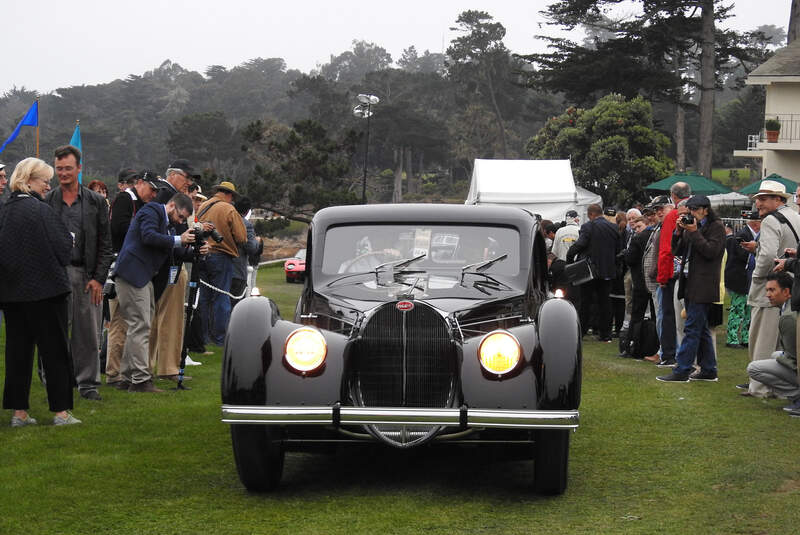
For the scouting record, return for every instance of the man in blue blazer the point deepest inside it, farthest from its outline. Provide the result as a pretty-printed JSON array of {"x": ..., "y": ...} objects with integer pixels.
[{"x": 147, "y": 245}]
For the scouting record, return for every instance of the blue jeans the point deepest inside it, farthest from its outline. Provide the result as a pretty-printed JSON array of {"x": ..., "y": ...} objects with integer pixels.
[
  {"x": 215, "y": 307},
  {"x": 696, "y": 341}
]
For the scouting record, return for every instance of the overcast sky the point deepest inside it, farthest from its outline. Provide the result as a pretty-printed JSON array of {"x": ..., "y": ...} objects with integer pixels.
[{"x": 49, "y": 44}]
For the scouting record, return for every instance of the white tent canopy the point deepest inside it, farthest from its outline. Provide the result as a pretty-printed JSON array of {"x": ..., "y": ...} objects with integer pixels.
[
  {"x": 545, "y": 187},
  {"x": 730, "y": 199}
]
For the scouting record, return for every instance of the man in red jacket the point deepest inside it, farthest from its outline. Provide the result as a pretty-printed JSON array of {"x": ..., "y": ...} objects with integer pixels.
[{"x": 680, "y": 191}]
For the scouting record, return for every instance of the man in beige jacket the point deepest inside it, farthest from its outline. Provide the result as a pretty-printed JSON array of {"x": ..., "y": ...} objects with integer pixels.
[
  {"x": 215, "y": 304},
  {"x": 780, "y": 226}
]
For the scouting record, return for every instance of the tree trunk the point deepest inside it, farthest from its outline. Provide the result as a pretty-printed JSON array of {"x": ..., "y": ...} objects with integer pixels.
[
  {"x": 411, "y": 182},
  {"x": 707, "y": 88},
  {"x": 500, "y": 124},
  {"x": 397, "y": 191},
  {"x": 794, "y": 21},
  {"x": 680, "y": 122}
]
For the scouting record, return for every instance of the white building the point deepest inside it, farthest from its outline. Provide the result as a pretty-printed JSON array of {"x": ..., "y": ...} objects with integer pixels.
[{"x": 781, "y": 76}]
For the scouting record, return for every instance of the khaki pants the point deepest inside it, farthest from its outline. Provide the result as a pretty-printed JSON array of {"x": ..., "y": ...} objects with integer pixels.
[
  {"x": 763, "y": 340},
  {"x": 166, "y": 333},
  {"x": 117, "y": 333}
]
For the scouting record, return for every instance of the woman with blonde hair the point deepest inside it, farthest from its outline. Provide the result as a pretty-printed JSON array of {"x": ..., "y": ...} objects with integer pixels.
[{"x": 34, "y": 250}]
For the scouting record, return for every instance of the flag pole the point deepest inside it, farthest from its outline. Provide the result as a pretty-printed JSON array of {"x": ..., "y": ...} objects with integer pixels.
[{"x": 37, "y": 130}]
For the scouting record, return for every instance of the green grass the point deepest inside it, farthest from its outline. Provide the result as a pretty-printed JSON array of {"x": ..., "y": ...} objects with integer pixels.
[{"x": 648, "y": 458}]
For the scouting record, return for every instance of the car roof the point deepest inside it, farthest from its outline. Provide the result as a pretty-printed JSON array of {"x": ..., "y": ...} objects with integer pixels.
[{"x": 423, "y": 213}]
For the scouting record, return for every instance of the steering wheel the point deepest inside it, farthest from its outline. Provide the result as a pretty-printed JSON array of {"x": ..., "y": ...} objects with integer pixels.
[{"x": 369, "y": 261}]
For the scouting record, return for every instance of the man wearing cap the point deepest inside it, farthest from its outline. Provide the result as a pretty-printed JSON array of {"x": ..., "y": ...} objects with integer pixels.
[
  {"x": 126, "y": 179},
  {"x": 123, "y": 210},
  {"x": 699, "y": 239},
  {"x": 169, "y": 283},
  {"x": 566, "y": 235},
  {"x": 85, "y": 214},
  {"x": 215, "y": 307},
  {"x": 780, "y": 226}
]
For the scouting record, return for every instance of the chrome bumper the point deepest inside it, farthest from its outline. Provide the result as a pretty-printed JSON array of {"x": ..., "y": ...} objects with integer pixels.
[{"x": 462, "y": 417}]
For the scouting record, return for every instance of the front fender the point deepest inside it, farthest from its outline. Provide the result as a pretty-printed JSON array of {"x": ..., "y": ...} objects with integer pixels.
[{"x": 558, "y": 357}]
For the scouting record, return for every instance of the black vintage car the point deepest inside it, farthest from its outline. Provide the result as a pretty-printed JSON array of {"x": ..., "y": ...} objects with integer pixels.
[{"x": 417, "y": 324}]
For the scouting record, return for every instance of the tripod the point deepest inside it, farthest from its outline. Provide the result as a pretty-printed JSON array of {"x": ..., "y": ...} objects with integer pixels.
[{"x": 190, "y": 307}]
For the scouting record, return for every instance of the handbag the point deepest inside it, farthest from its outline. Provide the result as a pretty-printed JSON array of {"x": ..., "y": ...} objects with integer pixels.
[
  {"x": 579, "y": 272},
  {"x": 644, "y": 336}
]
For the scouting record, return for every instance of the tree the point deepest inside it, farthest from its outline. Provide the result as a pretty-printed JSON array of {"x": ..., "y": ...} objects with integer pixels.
[
  {"x": 613, "y": 147},
  {"x": 480, "y": 62},
  {"x": 428, "y": 62},
  {"x": 794, "y": 22},
  {"x": 299, "y": 170},
  {"x": 351, "y": 66}
]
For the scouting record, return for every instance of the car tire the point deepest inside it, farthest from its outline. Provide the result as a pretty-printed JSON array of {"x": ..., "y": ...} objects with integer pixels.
[
  {"x": 259, "y": 457},
  {"x": 551, "y": 461}
]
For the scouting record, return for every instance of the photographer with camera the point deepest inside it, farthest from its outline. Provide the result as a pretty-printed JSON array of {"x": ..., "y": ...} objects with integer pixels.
[
  {"x": 699, "y": 239},
  {"x": 738, "y": 272},
  {"x": 147, "y": 245},
  {"x": 779, "y": 227},
  {"x": 215, "y": 304}
]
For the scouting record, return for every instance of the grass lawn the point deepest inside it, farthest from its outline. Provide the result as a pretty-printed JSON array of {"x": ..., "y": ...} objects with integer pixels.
[{"x": 648, "y": 458}]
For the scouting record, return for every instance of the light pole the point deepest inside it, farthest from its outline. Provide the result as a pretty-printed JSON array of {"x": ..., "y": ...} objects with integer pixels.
[{"x": 363, "y": 110}]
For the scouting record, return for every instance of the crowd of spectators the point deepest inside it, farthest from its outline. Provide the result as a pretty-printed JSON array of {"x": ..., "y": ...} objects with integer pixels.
[
  {"x": 75, "y": 261},
  {"x": 669, "y": 264}
]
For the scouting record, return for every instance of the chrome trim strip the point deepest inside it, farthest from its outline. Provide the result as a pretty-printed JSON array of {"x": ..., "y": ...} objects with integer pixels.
[{"x": 495, "y": 418}]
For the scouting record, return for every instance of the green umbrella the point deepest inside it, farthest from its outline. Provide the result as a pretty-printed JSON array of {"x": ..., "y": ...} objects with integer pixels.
[
  {"x": 700, "y": 184},
  {"x": 750, "y": 189}
]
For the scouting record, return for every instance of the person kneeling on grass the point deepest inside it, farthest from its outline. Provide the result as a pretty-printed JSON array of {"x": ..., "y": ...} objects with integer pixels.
[{"x": 780, "y": 371}]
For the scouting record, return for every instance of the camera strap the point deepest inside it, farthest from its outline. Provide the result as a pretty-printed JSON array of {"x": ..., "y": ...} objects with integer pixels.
[
  {"x": 207, "y": 208},
  {"x": 782, "y": 218}
]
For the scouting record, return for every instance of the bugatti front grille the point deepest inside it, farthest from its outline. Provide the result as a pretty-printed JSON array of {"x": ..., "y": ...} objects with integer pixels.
[{"x": 405, "y": 359}]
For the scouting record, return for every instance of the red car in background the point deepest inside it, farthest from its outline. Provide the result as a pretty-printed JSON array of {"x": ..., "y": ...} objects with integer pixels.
[{"x": 295, "y": 268}]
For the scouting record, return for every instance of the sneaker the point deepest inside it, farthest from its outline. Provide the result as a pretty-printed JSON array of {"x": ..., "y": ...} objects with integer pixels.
[
  {"x": 669, "y": 363},
  {"x": 20, "y": 422},
  {"x": 68, "y": 420},
  {"x": 793, "y": 406},
  {"x": 674, "y": 378},
  {"x": 703, "y": 376},
  {"x": 92, "y": 395},
  {"x": 145, "y": 387},
  {"x": 795, "y": 414},
  {"x": 190, "y": 362},
  {"x": 743, "y": 386}
]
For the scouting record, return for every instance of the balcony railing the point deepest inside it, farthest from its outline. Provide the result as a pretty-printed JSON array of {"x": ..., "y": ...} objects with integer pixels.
[{"x": 790, "y": 127}]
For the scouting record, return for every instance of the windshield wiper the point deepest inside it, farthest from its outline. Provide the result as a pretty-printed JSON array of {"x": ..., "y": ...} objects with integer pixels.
[
  {"x": 403, "y": 262},
  {"x": 479, "y": 267}
]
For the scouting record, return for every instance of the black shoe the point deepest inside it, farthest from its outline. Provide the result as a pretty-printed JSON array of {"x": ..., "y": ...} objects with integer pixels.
[
  {"x": 745, "y": 345},
  {"x": 793, "y": 406},
  {"x": 703, "y": 376},
  {"x": 743, "y": 386},
  {"x": 795, "y": 414},
  {"x": 674, "y": 378},
  {"x": 92, "y": 395},
  {"x": 669, "y": 363},
  {"x": 735, "y": 346}
]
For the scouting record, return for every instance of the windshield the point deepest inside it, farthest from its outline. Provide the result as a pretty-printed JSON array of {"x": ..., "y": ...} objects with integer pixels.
[{"x": 445, "y": 250}]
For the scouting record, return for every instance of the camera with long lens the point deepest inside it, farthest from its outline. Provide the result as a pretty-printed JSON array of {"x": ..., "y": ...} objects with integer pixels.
[
  {"x": 750, "y": 214},
  {"x": 109, "y": 288},
  {"x": 687, "y": 219}
]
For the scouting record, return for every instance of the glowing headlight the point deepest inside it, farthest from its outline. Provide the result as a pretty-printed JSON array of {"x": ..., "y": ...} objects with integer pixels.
[
  {"x": 559, "y": 293},
  {"x": 305, "y": 350},
  {"x": 499, "y": 352}
]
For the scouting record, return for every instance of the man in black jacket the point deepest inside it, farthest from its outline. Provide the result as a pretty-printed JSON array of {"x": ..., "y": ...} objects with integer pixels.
[
  {"x": 123, "y": 210},
  {"x": 85, "y": 214},
  {"x": 599, "y": 241},
  {"x": 737, "y": 283}
]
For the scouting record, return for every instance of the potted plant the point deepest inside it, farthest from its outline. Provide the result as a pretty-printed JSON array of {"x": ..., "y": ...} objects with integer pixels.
[{"x": 773, "y": 128}]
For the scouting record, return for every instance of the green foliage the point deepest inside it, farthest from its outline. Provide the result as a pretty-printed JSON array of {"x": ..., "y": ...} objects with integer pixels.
[
  {"x": 613, "y": 147},
  {"x": 299, "y": 170},
  {"x": 269, "y": 227},
  {"x": 351, "y": 66},
  {"x": 772, "y": 124}
]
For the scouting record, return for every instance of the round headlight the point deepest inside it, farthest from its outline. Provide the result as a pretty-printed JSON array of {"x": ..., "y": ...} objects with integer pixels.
[
  {"x": 499, "y": 352},
  {"x": 305, "y": 350},
  {"x": 289, "y": 266}
]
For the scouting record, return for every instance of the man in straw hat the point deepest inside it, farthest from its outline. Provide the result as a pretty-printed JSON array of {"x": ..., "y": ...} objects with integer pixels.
[
  {"x": 780, "y": 226},
  {"x": 215, "y": 307}
]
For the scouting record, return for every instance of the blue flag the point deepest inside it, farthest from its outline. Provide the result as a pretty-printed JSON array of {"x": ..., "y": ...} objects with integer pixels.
[
  {"x": 31, "y": 119},
  {"x": 76, "y": 142}
]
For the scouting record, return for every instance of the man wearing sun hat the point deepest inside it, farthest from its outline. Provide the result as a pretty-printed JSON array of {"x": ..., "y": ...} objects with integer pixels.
[
  {"x": 215, "y": 307},
  {"x": 780, "y": 226}
]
